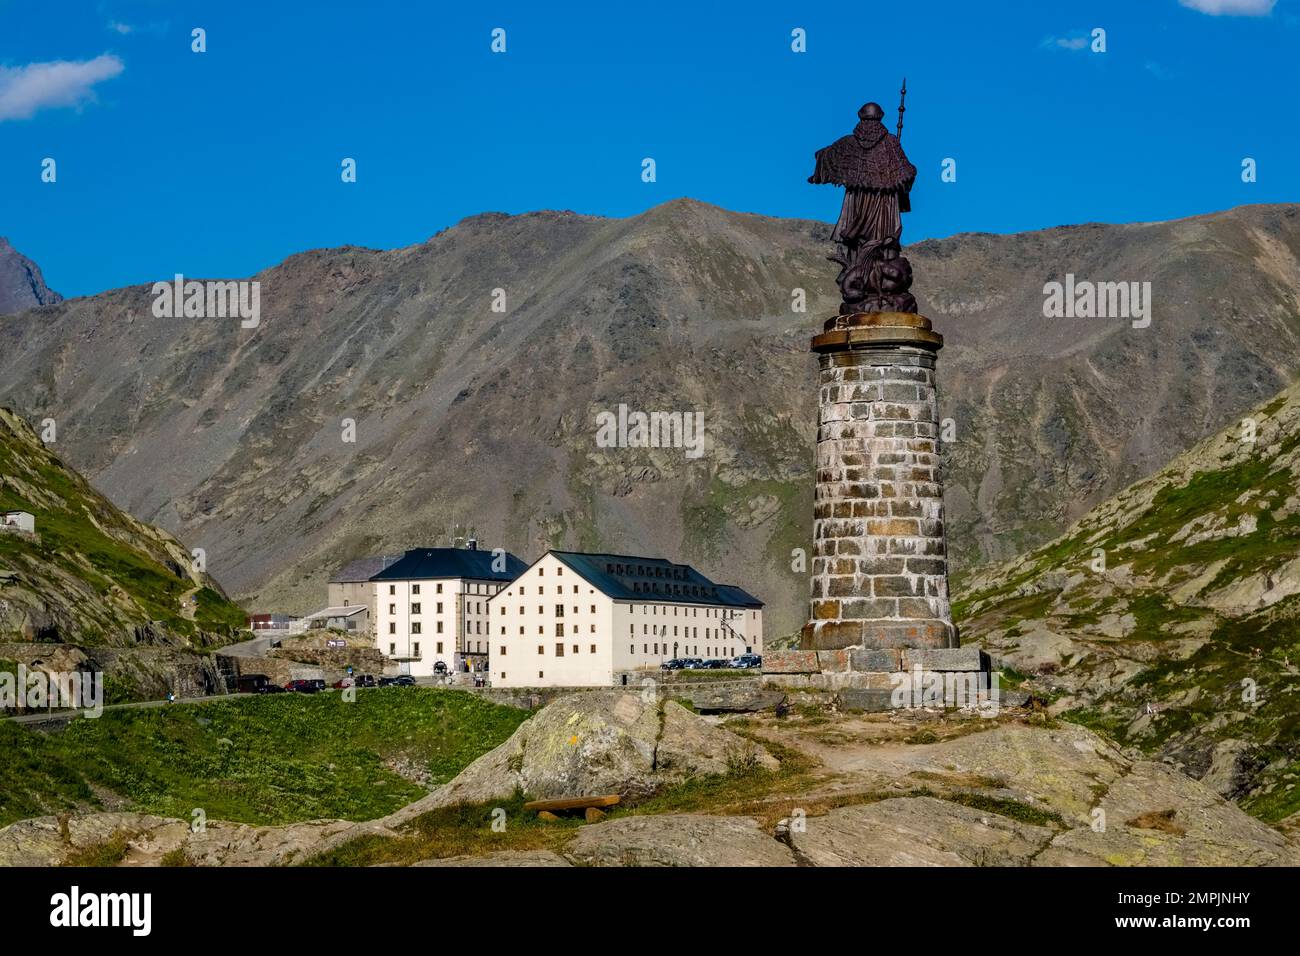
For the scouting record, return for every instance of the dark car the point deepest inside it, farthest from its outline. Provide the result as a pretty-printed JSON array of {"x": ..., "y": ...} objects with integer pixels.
[
  {"x": 747, "y": 660},
  {"x": 692, "y": 663},
  {"x": 363, "y": 680},
  {"x": 252, "y": 683},
  {"x": 713, "y": 665},
  {"x": 310, "y": 686},
  {"x": 675, "y": 664},
  {"x": 401, "y": 680},
  {"x": 269, "y": 688}
]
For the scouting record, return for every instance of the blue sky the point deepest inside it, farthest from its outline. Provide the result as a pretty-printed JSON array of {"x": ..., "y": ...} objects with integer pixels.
[{"x": 222, "y": 163}]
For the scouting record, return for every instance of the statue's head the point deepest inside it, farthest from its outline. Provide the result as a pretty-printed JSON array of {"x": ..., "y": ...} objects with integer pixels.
[{"x": 871, "y": 111}]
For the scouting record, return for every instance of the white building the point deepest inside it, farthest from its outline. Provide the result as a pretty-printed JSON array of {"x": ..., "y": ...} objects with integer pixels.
[
  {"x": 344, "y": 617},
  {"x": 350, "y": 586},
  {"x": 430, "y": 606},
  {"x": 17, "y": 521},
  {"x": 575, "y": 620}
]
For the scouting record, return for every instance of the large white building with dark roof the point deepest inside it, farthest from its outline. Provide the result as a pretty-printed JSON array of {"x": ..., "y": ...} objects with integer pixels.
[
  {"x": 573, "y": 620},
  {"x": 430, "y": 607}
]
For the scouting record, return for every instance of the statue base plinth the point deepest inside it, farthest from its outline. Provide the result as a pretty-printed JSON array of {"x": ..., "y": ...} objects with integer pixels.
[{"x": 877, "y": 330}]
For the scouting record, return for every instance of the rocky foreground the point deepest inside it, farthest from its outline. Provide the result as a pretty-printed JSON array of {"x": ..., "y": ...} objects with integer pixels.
[{"x": 814, "y": 788}]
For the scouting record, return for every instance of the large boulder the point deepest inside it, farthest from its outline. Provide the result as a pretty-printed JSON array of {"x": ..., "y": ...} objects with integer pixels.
[{"x": 632, "y": 743}]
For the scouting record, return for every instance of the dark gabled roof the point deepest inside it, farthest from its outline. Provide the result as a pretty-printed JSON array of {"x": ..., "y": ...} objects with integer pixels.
[
  {"x": 625, "y": 577},
  {"x": 362, "y": 569},
  {"x": 422, "y": 563}
]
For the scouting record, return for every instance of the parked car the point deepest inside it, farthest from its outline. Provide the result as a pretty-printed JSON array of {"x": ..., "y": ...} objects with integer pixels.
[
  {"x": 363, "y": 680},
  {"x": 747, "y": 660},
  {"x": 269, "y": 688},
  {"x": 401, "y": 680},
  {"x": 692, "y": 663},
  {"x": 309, "y": 686},
  {"x": 342, "y": 683},
  {"x": 713, "y": 665},
  {"x": 251, "y": 683},
  {"x": 675, "y": 664}
]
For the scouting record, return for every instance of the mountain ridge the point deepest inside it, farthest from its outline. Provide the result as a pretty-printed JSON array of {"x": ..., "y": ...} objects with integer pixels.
[{"x": 469, "y": 417}]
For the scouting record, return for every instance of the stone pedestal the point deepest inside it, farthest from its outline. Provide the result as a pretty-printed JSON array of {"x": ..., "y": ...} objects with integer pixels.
[{"x": 880, "y": 565}]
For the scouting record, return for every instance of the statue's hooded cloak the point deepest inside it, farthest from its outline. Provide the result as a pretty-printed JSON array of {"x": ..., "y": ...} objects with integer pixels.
[{"x": 877, "y": 177}]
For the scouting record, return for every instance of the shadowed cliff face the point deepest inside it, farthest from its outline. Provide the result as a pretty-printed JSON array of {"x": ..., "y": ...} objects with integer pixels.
[
  {"x": 233, "y": 438},
  {"x": 21, "y": 284}
]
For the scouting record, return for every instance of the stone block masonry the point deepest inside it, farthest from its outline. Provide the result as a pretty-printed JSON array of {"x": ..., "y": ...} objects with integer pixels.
[{"x": 879, "y": 565}]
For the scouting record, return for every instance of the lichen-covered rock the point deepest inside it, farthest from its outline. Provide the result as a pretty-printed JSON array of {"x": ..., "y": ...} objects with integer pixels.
[
  {"x": 678, "y": 840},
  {"x": 627, "y": 742},
  {"x": 916, "y": 831}
]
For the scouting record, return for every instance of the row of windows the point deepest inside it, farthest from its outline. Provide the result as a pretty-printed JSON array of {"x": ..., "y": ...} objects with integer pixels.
[
  {"x": 559, "y": 649},
  {"x": 710, "y": 633},
  {"x": 559, "y": 629},
  {"x": 416, "y": 627},
  {"x": 559, "y": 609},
  {"x": 471, "y": 587},
  {"x": 415, "y": 648},
  {"x": 418, "y": 608},
  {"x": 711, "y": 652}
]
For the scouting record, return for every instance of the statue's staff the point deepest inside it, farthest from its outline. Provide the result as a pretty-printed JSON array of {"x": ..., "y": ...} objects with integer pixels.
[{"x": 902, "y": 95}]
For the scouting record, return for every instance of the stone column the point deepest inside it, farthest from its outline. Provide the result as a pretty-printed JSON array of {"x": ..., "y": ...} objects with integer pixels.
[{"x": 880, "y": 565}]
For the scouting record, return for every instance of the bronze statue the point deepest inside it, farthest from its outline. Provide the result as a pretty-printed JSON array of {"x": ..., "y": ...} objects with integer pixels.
[{"x": 877, "y": 179}]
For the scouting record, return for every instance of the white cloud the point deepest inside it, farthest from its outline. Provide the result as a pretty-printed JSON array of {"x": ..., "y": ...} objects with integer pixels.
[
  {"x": 36, "y": 86},
  {"x": 122, "y": 28},
  {"x": 1074, "y": 42},
  {"x": 1232, "y": 8}
]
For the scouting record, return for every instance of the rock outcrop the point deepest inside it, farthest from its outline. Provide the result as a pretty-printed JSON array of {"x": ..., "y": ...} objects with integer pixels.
[
  {"x": 625, "y": 742},
  {"x": 21, "y": 284}
]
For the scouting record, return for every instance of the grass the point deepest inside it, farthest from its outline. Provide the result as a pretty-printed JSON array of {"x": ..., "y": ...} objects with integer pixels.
[
  {"x": 83, "y": 535},
  {"x": 259, "y": 760},
  {"x": 110, "y": 852},
  {"x": 36, "y": 777}
]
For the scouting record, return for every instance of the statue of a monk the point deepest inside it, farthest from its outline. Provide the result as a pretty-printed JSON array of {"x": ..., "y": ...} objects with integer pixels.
[{"x": 877, "y": 179}]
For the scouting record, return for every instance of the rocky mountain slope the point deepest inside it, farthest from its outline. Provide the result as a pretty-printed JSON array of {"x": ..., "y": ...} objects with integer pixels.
[
  {"x": 91, "y": 574},
  {"x": 235, "y": 438},
  {"x": 1169, "y": 616},
  {"x": 21, "y": 284}
]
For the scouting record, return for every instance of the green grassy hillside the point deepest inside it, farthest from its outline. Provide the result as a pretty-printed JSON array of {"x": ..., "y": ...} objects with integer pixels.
[
  {"x": 92, "y": 574},
  {"x": 1169, "y": 616},
  {"x": 266, "y": 760}
]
